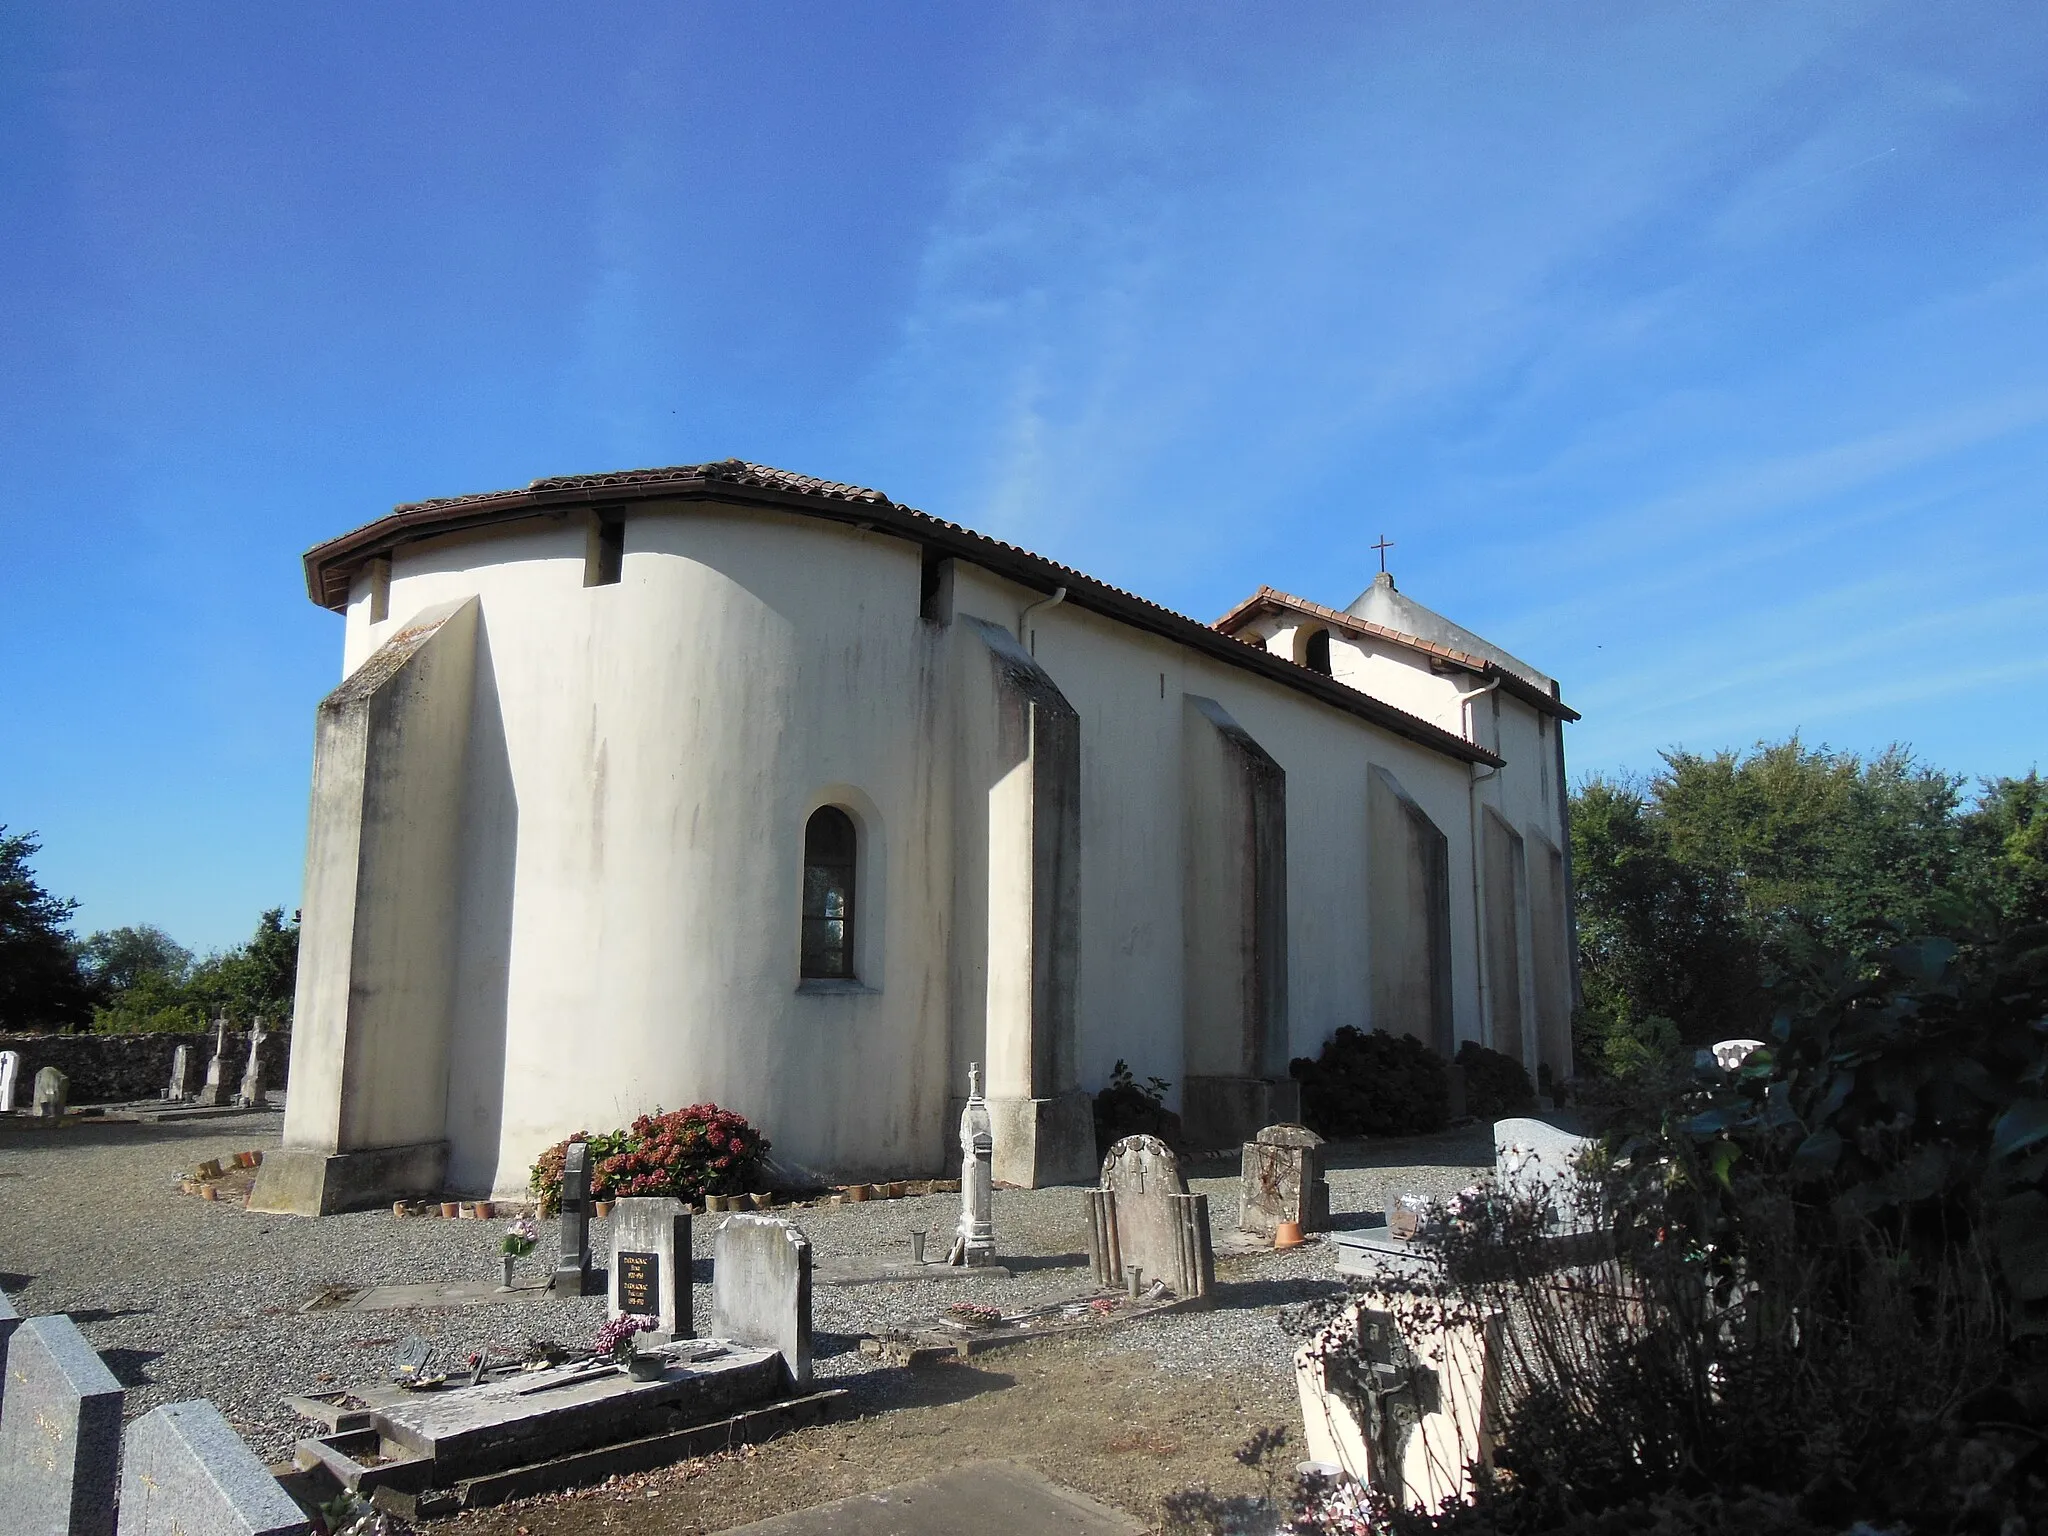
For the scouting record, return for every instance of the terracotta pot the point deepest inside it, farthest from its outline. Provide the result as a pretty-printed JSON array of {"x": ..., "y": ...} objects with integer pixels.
[
  {"x": 398, "y": 1208},
  {"x": 761, "y": 1202},
  {"x": 857, "y": 1192},
  {"x": 1287, "y": 1235},
  {"x": 209, "y": 1192},
  {"x": 451, "y": 1207},
  {"x": 486, "y": 1209},
  {"x": 602, "y": 1207}
]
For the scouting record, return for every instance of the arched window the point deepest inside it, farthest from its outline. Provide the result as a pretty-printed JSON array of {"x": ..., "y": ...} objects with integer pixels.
[
  {"x": 1315, "y": 652},
  {"x": 830, "y": 849}
]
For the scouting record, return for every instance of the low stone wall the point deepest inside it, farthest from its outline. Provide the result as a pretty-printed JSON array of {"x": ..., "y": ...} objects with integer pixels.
[{"x": 107, "y": 1069}]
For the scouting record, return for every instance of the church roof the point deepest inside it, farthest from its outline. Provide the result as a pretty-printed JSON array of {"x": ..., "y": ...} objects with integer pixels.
[
  {"x": 331, "y": 567},
  {"x": 1516, "y": 678}
]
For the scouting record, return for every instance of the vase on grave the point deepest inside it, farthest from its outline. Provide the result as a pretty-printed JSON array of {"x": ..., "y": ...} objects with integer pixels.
[{"x": 507, "y": 1261}]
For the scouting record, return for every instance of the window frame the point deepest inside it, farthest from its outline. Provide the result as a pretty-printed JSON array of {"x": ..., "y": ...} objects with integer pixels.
[{"x": 848, "y": 888}]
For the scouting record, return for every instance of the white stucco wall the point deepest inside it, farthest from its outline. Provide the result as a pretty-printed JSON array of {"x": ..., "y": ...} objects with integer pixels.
[{"x": 644, "y": 756}]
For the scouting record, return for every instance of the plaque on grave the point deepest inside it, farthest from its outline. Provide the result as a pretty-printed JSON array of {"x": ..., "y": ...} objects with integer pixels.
[{"x": 639, "y": 1282}]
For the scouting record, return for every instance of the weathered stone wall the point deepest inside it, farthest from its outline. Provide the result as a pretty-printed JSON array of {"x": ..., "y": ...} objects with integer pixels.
[{"x": 106, "y": 1069}]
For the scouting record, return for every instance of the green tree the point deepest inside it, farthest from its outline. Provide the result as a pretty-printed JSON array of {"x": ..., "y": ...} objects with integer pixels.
[
  {"x": 41, "y": 986},
  {"x": 116, "y": 959},
  {"x": 256, "y": 979},
  {"x": 1724, "y": 875}
]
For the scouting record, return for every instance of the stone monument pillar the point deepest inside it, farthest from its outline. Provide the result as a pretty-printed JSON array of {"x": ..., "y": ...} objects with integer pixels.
[
  {"x": 10, "y": 1070},
  {"x": 251, "y": 1096},
  {"x": 976, "y": 1242},
  {"x": 572, "y": 1269},
  {"x": 183, "y": 1076},
  {"x": 215, "y": 1093}
]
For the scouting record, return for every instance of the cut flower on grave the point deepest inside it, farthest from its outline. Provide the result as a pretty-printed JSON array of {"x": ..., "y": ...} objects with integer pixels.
[
  {"x": 615, "y": 1339},
  {"x": 520, "y": 1238}
]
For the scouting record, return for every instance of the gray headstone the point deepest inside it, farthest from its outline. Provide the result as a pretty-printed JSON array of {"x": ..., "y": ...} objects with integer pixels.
[
  {"x": 250, "y": 1095},
  {"x": 10, "y": 1073},
  {"x": 60, "y": 1438},
  {"x": 1534, "y": 1159},
  {"x": 185, "y": 1471},
  {"x": 9, "y": 1321},
  {"x": 572, "y": 1269},
  {"x": 184, "y": 1082},
  {"x": 53, "y": 1092},
  {"x": 215, "y": 1093},
  {"x": 761, "y": 1288},
  {"x": 976, "y": 1234},
  {"x": 1160, "y": 1228},
  {"x": 650, "y": 1268},
  {"x": 1283, "y": 1181}
]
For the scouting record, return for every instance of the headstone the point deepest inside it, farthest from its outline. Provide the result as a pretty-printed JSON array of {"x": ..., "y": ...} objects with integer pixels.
[
  {"x": 1283, "y": 1181},
  {"x": 184, "y": 1471},
  {"x": 1731, "y": 1054},
  {"x": 761, "y": 1289},
  {"x": 1143, "y": 1217},
  {"x": 215, "y": 1093},
  {"x": 650, "y": 1269},
  {"x": 184, "y": 1075},
  {"x": 975, "y": 1242},
  {"x": 60, "y": 1438},
  {"x": 251, "y": 1094},
  {"x": 1533, "y": 1159},
  {"x": 53, "y": 1089},
  {"x": 10, "y": 1072},
  {"x": 9, "y": 1321},
  {"x": 572, "y": 1269}
]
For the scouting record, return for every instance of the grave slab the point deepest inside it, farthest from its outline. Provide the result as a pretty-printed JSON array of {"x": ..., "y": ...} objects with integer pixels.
[
  {"x": 994, "y": 1498},
  {"x": 184, "y": 1470},
  {"x": 60, "y": 1438},
  {"x": 9, "y": 1321},
  {"x": 761, "y": 1289},
  {"x": 442, "y": 1293}
]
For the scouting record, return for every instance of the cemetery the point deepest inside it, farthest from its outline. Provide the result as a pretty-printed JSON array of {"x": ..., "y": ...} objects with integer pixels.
[{"x": 428, "y": 1367}]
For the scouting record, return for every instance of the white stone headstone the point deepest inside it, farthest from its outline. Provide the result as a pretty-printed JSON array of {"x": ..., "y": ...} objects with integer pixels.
[
  {"x": 10, "y": 1070},
  {"x": 215, "y": 1093},
  {"x": 184, "y": 1470},
  {"x": 53, "y": 1093},
  {"x": 650, "y": 1267},
  {"x": 1534, "y": 1159},
  {"x": 761, "y": 1289},
  {"x": 60, "y": 1437},
  {"x": 251, "y": 1094}
]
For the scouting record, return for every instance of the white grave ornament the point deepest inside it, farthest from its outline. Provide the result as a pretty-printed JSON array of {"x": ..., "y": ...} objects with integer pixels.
[
  {"x": 10, "y": 1071},
  {"x": 976, "y": 1239}
]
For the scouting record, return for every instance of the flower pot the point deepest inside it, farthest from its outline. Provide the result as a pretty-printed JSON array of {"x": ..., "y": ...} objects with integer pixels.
[
  {"x": 398, "y": 1208},
  {"x": 714, "y": 1203},
  {"x": 209, "y": 1192},
  {"x": 857, "y": 1192},
  {"x": 1287, "y": 1235},
  {"x": 507, "y": 1261},
  {"x": 602, "y": 1207},
  {"x": 646, "y": 1365},
  {"x": 451, "y": 1207},
  {"x": 485, "y": 1210}
]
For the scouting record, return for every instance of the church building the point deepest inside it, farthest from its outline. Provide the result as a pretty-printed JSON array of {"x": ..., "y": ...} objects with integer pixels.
[{"x": 720, "y": 783}]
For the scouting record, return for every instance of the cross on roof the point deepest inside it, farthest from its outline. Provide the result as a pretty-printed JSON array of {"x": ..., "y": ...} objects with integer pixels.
[{"x": 1383, "y": 546}]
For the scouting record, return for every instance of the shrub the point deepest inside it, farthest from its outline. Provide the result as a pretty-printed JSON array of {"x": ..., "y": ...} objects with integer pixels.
[
  {"x": 686, "y": 1154},
  {"x": 1127, "y": 1108},
  {"x": 1495, "y": 1085},
  {"x": 1373, "y": 1085},
  {"x": 673, "y": 1157}
]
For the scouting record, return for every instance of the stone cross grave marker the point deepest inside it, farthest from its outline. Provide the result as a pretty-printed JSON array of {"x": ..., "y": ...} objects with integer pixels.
[
  {"x": 1283, "y": 1181},
  {"x": 183, "y": 1076},
  {"x": 251, "y": 1095},
  {"x": 761, "y": 1289},
  {"x": 572, "y": 1269},
  {"x": 215, "y": 1094},
  {"x": 185, "y": 1471},
  {"x": 10, "y": 1072},
  {"x": 53, "y": 1091},
  {"x": 975, "y": 1238},
  {"x": 650, "y": 1270},
  {"x": 1534, "y": 1159},
  {"x": 1143, "y": 1218},
  {"x": 60, "y": 1437},
  {"x": 9, "y": 1321}
]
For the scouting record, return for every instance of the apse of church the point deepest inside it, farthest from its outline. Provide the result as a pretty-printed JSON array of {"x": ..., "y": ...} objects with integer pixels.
[{"x": 721, "y": 783}]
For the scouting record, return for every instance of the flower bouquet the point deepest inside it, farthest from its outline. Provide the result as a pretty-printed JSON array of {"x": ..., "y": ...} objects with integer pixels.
[
  {"x": 615, "y": 1343},
  {"x": 516, "y": 1244}
]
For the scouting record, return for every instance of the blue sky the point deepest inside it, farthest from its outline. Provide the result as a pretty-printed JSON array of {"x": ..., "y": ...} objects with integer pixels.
[{"x": 1697, "y": 353}]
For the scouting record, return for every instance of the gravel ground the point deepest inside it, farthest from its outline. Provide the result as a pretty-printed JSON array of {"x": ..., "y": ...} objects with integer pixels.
[{"x": 190, "y": 1298}]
